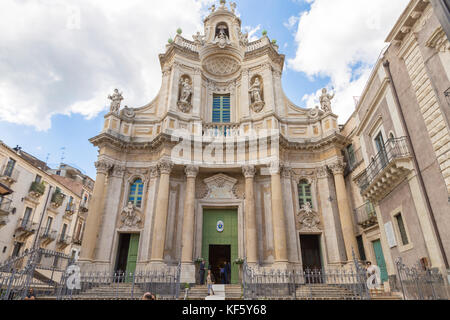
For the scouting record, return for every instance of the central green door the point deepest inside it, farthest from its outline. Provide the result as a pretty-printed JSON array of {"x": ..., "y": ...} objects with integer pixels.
[
  {"x": 132, "y": 253},
  {"x": 228, "y": 237}
]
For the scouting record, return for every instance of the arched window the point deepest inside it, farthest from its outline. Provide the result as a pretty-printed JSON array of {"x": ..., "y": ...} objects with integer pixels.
[
  {"x": 304, "y": 193},
  {"x": 136, "y": 193}
]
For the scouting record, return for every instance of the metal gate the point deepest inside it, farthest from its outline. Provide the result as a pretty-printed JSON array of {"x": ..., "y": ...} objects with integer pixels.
[{"x": 419, "y": 284}]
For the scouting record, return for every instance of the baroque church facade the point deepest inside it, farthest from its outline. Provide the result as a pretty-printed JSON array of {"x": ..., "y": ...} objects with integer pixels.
[{"x": 221, "y": 165}]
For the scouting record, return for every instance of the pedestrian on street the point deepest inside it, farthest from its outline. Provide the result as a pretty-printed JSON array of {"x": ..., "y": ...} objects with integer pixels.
[{"x": 209, "y": 282}]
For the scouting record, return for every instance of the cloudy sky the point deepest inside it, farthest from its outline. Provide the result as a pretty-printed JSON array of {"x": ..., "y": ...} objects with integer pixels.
[{"x": 59, "y": 60}]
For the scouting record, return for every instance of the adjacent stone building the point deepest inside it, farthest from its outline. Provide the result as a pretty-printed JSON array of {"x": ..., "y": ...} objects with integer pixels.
[
  {"x": 36, "y": 197},
  {"x": 399, "y": 160}
]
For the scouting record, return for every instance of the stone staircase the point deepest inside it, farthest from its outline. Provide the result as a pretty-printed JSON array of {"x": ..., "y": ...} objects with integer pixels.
[
  {"x": 232, "y": 292},
  {"x": 122, "y": 291},
  {"x": 380, "y": 294}
]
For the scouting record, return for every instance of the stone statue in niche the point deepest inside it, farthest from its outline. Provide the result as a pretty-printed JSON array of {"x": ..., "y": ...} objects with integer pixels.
[
  {"x": 130, "y": 217},
  {"x": 325, "y": 100},
  {"x": 222, "y": 37},
  {"x": 116, "y": 99},
  {"x": 256, "y": 95},
  {"x": 185, "y": 97}
]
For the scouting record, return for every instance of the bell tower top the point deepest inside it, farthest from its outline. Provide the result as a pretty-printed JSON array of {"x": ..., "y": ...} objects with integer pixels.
[{"x": 222, "y": 25}]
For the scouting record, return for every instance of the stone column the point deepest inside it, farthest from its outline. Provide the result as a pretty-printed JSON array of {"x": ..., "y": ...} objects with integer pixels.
[
  {"x": 187, "y": 252},
  {"x": 96, "y": 206},
  {"x": 292, "y": 234},
  {"x": 345, "y": 213},
  {"x": 112, "y": 207},
  {"x": 278, "y": 219},
  {"x": 162, "y": 204},
  {"x": 251, "y": 236},
  {"x": 334, "y": 246}
]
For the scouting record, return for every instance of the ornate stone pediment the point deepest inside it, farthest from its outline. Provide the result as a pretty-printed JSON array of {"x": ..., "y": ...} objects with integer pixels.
[
  {"x": 307, "y": 219},
  {"x": 220, "y": 187},
  {"x": 131, "y": 218}
]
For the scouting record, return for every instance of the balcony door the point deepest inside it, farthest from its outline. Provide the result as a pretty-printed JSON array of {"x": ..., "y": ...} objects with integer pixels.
[{"x": 379, "y": 143}]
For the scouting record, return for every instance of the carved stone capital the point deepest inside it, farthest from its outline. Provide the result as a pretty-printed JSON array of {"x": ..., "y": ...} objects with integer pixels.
[
  {"x": 154, "y": 172},
  {"x": 103, "y": 166},
  {"x": 165, "y": 166},
  {"x": 118, "y": 171},
  {"x": 322, "y": 172},
  {"x": 191, "y": 171},
  {"x": 286, "y": 172},
  {"x": 337, "y": 167},
  {"x": 249, "y": 171}
]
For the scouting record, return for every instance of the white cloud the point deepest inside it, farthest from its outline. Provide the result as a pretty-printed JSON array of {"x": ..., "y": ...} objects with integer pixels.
[
  {"x": 341, "y": 40},
  {"x": 57, "y": 58}
]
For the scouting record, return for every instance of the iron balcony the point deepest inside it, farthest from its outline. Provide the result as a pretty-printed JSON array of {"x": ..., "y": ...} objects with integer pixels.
[
  {"x": 386, "y": 171},
  {"x": 366, "y": 216}
]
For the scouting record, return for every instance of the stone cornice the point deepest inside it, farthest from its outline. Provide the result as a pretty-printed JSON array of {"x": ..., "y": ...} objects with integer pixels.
[
  {"x": 269, "y": 51},
  {"x": 336, "y": 139},
  {"x": 120, "y": 142}
]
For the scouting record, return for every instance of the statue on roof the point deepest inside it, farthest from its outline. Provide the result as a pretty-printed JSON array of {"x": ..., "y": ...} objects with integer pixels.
[
  {"x": 325, "y": 100},
  {"x": 116, "y": 99},
  {"x": 233, "y": 7}
]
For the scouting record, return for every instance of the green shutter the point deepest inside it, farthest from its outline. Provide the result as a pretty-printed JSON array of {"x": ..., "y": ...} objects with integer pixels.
[{"x": 221, "y": 109}]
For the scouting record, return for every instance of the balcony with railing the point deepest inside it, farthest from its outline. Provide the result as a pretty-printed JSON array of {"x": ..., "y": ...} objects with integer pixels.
[
  {"x": 64, "y": 241},
  {"x": 70, "y": 210},
  {"x": 366, "y": 216},
  {"x": 9, "y": 175},
  {"x": 77, "y": 241},
  {"x": 25, "y": 228},
  {"x": 37, "y": 189},
  {"x": 48, "y": 236},
  {"x": 84, "y": 206},
  {"x": 215, "y": 130},
  {"x": 390, "y": 167},
  {"x": 5, "y": 210},
  {"x": 57, "y": 199}
]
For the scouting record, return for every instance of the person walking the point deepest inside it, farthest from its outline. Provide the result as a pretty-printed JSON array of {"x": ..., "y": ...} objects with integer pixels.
[
  {"x": 209, "y": 282},
  {"x": 202, "y": 272}
]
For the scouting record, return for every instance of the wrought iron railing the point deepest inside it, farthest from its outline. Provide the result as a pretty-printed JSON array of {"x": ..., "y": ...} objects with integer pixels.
[
  {"x": 5, "y": 206},
  {"x": 10, "y": 172},
  {"x": 64, "y": 239},
  {"x": 395, "y": 148},
  {"x": 37, "y": 187},
  {"x": 310, "y": 284},
  {"x": 58, "y": 198},
  {"x": 26, "y": 225},
  {"x": 163, "y": 283},
  {"x": 419, "y": 284},
  {"x": 366, "y": 215},
  {"x": 221, "y": 130},
  {"x": 38, "y": 269},
  {"x": 48, "y": 234}
]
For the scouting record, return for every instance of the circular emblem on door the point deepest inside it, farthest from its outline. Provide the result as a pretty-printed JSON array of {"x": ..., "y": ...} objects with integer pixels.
[{"x": 220, "y": 226}]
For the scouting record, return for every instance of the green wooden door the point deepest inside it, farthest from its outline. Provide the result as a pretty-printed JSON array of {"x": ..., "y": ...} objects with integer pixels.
[
  {"x": 381, "y": 263},
  {"x": 229, "y": 236},
  {"x": 132, "y": 253}
]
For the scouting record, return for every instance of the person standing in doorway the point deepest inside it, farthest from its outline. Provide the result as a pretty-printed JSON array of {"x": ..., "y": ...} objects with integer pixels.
[
  {"x": 227, "y": 272},
  {"x": 202, "y": 272},
  {"x": 222, "y": 274}
]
